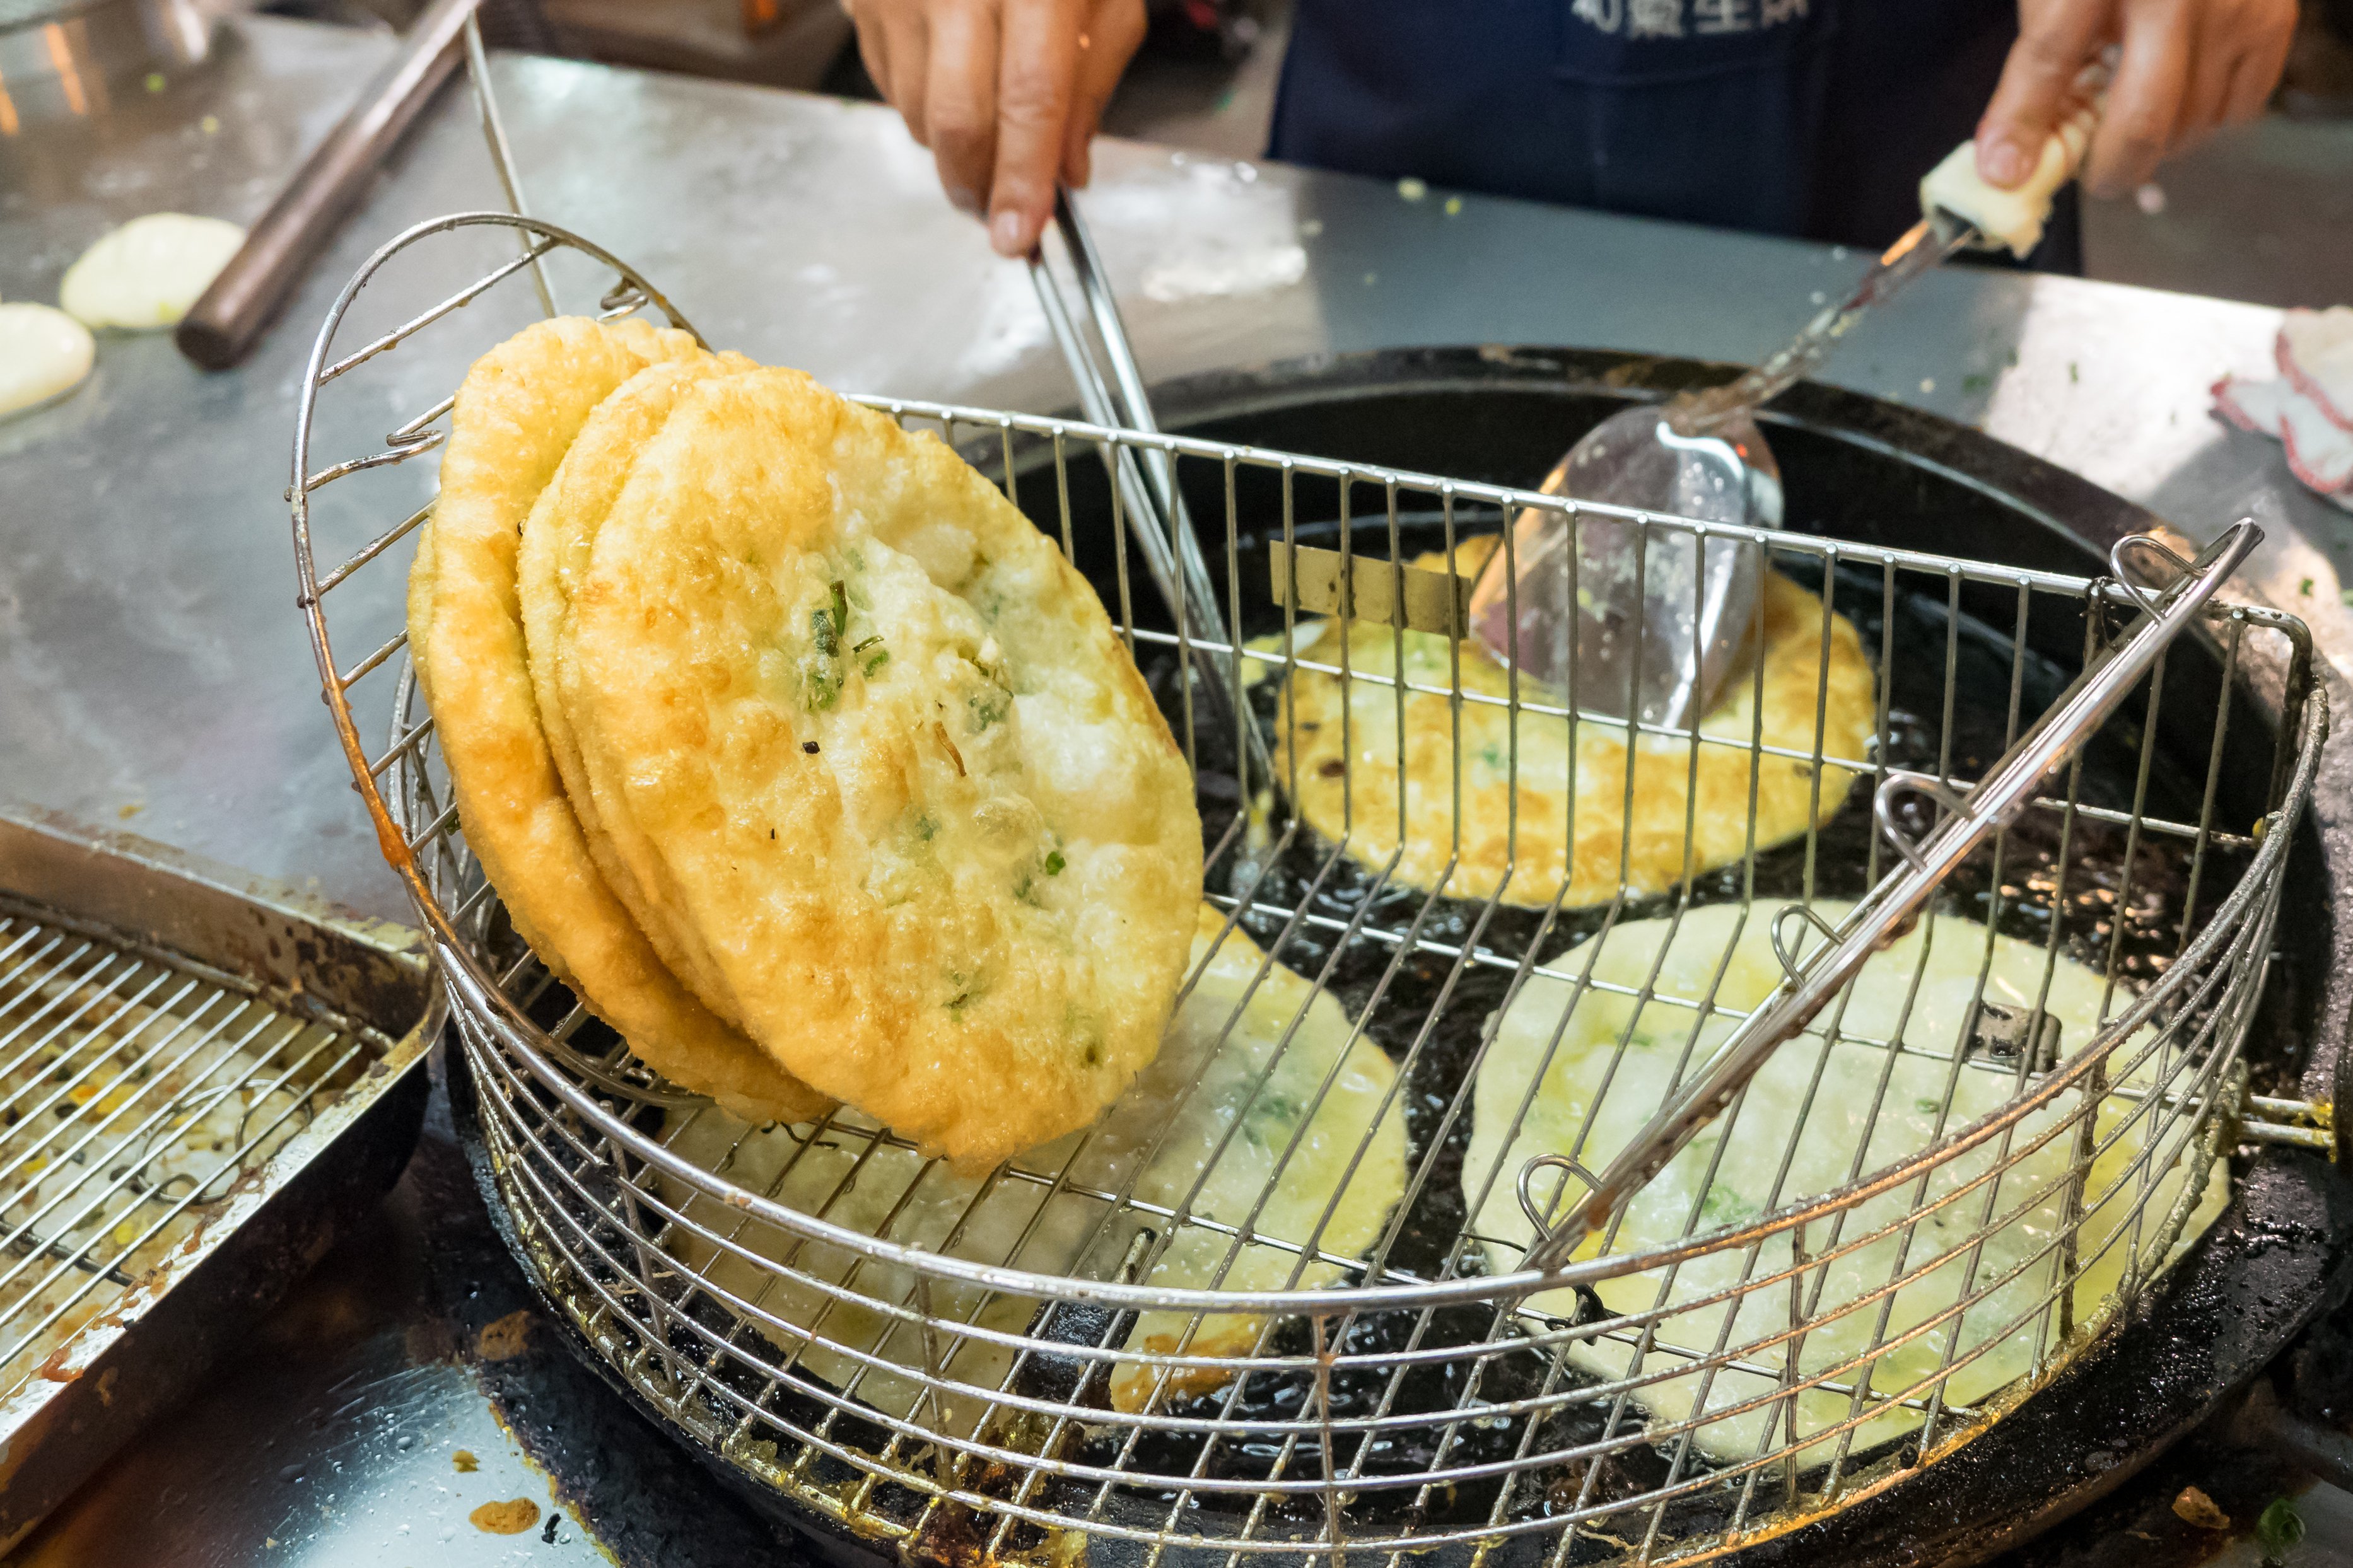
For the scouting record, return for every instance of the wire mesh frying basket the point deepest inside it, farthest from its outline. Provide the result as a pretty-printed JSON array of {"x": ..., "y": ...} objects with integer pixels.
[{"x": 1352, "y": 1271}]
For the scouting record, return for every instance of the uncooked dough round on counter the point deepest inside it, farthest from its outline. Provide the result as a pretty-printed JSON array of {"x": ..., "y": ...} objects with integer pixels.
[
  {"x": 147, "y": 273},
  {"x": 44, "y": 355},
  {"x": 1198, "y": 1127},
  {"x": 1350, "y": 787},
  {"x": 895, "y": 766},
  {"x": 1595, "y": 1094}
]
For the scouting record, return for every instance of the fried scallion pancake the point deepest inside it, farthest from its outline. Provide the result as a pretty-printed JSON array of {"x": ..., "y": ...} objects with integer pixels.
[
  {"x": 1198, "y": 1129},
  {"x": 1347, "y": 778},
  {"x": 556, "y": 538},
  {"x": 514, "y": 418},
  {"x": 1581, "y": 1075},
  {"x": 901, "y": 777}
]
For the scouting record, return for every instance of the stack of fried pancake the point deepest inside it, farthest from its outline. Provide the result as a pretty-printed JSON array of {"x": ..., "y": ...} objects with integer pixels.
[{"x": 794, "y": 749}]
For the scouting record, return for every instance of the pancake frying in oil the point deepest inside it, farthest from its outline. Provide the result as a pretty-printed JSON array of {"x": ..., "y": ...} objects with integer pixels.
[
  {"x": 1580, "y": 1075},
  {"x": 897, "y": 770},
  {"x": 1262, "y": 1090},
  {"x": 1350, "y": 765},
  {"x": 514, "y": 419}
]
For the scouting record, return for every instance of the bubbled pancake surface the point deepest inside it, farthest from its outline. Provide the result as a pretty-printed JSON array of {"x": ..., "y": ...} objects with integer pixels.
[
  {"x": 1265, "y": 1107},
  {"x": 1579, "y": 1072},
  {"x": 514, "y": 417},
  {"x": 557, "y": 537},
  {"x": 946, "y": 857},
  {"x": 1350, "y": 787}
]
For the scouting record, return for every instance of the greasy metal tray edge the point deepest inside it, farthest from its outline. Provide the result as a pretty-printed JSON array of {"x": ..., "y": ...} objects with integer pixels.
[{"x": 135, "y": 1361}]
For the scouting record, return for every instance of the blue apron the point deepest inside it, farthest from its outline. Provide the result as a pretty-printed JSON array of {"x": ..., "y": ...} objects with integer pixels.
[{"x": 1814, "y": 118}]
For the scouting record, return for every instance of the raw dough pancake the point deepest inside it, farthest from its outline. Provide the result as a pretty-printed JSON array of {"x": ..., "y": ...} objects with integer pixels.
[
  {"x": 1350, "y": 788},
  {"x": 516, "y": 413},
  {"x": 556, "y": 538},
  {"x": 901, "y": 774},
  {"x": 44, "y": 355},
  {"x": 1746, "y": 1162},
  {"x": 1198, "y": 1108}
]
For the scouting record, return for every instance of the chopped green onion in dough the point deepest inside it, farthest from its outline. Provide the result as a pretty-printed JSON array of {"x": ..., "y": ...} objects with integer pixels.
[
  {"x": 1593, "y": 1097},
  {"x": 1200, "y": 1131},
  {"x": 1277, "y": 647}
]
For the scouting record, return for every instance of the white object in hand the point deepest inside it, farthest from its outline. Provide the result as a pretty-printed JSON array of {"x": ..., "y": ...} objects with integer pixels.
[
  {"x": 147, "y": 273},
  {"x": 44, "y": 355},
  {"x": 2016, "y": 216}
]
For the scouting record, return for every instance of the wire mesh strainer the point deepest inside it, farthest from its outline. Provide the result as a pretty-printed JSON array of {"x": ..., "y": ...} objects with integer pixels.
[{"x": 1111, "y": 1341}]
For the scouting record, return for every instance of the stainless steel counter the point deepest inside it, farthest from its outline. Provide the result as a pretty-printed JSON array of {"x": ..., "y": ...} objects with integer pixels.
[
  {"x": 150, "y": 660},
  {"x": 152, "y": 667}
]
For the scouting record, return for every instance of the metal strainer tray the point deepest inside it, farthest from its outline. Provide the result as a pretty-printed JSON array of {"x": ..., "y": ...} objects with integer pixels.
[{"x": 201, "y": 1080}]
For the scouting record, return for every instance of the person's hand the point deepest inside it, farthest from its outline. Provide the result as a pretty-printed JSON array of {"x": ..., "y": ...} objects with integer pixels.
[
  {"x": 2187, "y": 68},
  {"x": 1006, "y": 93}
]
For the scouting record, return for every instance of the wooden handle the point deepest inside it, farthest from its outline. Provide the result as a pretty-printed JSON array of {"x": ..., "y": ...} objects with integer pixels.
[
  {"x": 221, "y": 327},
  {"x": 2015, "y": 216}
]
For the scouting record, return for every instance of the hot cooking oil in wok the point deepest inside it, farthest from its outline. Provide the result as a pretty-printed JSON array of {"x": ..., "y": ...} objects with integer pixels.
[
  {"x": 1428, "y": 1018},
  {"x": 2121, "y": 915}
]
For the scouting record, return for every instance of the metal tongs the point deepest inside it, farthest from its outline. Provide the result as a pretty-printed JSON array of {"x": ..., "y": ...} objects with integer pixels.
[
  {"x": 1810, "y": 980},
  {"x": 1147, "y": 490}
]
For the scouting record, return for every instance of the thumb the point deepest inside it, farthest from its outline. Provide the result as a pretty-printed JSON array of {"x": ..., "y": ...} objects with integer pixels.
[{"x": 2055, "y": 40}]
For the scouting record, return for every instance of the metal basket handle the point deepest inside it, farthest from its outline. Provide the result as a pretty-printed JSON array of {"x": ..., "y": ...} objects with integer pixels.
[{"x": 1890, "y": 910}]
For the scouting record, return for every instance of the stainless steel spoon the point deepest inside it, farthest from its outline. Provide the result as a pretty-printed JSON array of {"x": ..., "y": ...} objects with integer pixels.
[{"x": 1647, "y": 618}]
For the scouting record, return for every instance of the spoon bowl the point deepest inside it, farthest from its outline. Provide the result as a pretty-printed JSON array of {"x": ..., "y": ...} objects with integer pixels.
[
  {"x": 1640, "y": 618},
  {"x": 1645, "y": 618}
]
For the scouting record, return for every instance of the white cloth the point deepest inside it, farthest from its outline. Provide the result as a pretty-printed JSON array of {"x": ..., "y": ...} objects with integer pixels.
[{"x": 2309, "y": 410}]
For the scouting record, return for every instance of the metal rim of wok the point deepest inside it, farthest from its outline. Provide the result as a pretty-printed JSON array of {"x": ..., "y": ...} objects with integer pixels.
[{"x": 2262, "y": 1271}]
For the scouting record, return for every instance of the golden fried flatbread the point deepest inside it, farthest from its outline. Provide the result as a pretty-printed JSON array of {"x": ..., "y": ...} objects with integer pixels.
[
  {"x": 1265, "y": 1107},
  {"x": 1580, "y": 1074},
  {"x": 1348, "y": 789},
  {"x": 556, "y": 538},
  {"x": 901, "y": 774},
  {"x": 515, "y": 416}
]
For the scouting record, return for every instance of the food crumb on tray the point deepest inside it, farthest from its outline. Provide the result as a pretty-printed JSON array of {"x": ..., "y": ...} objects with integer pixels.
[
  {"x": 123, "y": 1128},
  {"x": 510, "y": 1518}
]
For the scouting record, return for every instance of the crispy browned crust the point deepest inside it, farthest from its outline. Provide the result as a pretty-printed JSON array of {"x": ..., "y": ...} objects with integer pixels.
[
  {"x": 515, "y": 416},
  {"x": 953, "y": 887},
  {"x": 556, "y": 538}
]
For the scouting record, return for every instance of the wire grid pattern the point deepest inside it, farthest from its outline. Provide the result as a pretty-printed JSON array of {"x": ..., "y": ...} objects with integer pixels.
[
  {"x": 134, "y": 1094},
  {"x": 955, "y": 1398}
]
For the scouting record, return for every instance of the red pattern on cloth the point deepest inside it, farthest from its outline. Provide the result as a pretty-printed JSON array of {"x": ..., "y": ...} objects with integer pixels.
[{"x": 2306, "y": 410}]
